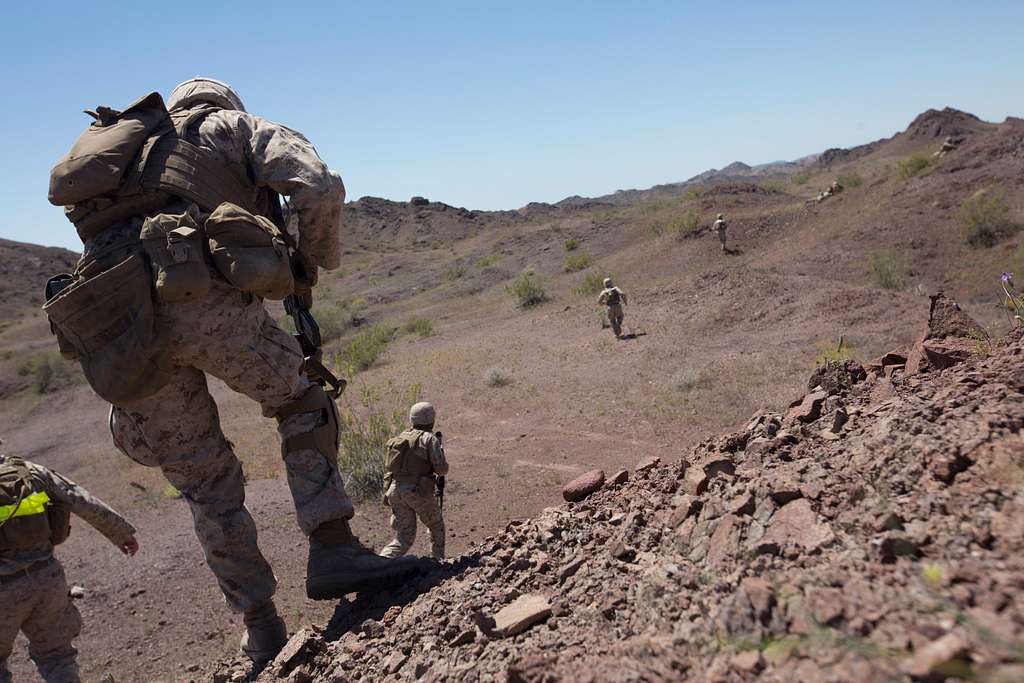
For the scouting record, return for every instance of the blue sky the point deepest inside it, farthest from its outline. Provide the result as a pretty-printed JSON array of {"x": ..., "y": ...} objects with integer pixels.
[{"x": 493, "y": 105}]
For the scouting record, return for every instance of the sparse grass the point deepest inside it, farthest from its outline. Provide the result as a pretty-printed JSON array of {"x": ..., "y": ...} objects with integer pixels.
[
  {"x": 834, "y": 351},
  {"x": 454, "y": 272},
  {"x": 170, "y": 492},
  {"x": 849, "y": 180},
  {"x": 985, "y": 219},
  {"x": 799, "y": 178},
  {"x": 488, "y": 261},
  {"x": 367, "y": 423},
  {"x": 889, "y": 270},
  {"x": 688, "y": 379},
  {"x": 363, "y": 350},
  {"x": 576, "y": 262},
  {"x": 47, "y": 370},
  {"x": 773, "y": 185},
  {"x": 335, "y": 318},
  {"x": 497, "y": 377},
  {"x": 572, "y": 244},
  {"x": 528, "y": 289},
  {"x": 695, "y": 192},
  {"x": 912, "y": 165},
  {"x": 420, "y": 326},
  {"x": 686, "y": 224},
  {"x": 591, "y": 284}
]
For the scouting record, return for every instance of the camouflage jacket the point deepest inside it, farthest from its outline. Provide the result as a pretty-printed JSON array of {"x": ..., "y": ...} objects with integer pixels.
[{"x": 82, "y": 503}]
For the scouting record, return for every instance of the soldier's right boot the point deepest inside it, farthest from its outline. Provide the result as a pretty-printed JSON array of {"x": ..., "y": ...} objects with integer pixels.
[
  {"x": 339, "y": 564},
  {"x": 265, "y": 634}
]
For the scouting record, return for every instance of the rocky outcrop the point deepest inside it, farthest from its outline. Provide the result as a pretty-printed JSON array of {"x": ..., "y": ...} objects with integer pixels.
[
  {"x": 893, "y": 551},
  {"x": 952, "y": 337}
]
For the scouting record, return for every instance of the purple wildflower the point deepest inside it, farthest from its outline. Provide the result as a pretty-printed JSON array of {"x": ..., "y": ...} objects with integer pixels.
[{"x": 1007, "y": 277}]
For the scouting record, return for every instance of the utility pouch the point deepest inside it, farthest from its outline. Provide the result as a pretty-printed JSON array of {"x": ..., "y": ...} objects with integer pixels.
[
  {"x": 425, "y": 486},
  {"x": 54, "y": 286},
  {"x": 175, "y": 246},
  {"x": 59, "y": 517},
  {"x": 250, "y": 252},
  {"x": 109, "y": 321}
]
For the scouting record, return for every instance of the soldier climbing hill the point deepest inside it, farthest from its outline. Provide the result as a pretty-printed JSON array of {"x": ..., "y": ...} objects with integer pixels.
[
  {"x": 414, "y": 458},
  {"x": 35, "y": 508},
  {"x": 184, "y": 236},
  {"x": 614, "y": 298},
  {"x": 721, "y": 228}
]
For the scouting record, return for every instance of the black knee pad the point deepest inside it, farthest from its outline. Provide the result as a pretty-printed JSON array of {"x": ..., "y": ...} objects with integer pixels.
[{"x": 323, "y": 438}]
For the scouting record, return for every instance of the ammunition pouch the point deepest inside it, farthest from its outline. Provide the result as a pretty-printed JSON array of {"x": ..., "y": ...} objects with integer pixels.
[
  {"x": 250, "y": 252},
  {"x": 175, "y": 245},
  {"x": 108, "y": 320},
  {"x": 59, "y": 518},
  {"x": 323, "y": 438}
]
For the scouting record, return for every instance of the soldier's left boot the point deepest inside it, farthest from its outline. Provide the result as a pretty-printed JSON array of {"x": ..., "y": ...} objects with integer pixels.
[
  {"x": 265, "y": 634},
  {"x": 339, "y": 564}
]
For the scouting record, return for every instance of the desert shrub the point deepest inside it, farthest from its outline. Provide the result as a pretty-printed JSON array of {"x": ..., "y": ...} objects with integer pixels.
[
  {"x": 688, "y": 379},
  {"x": 576, "y": 262},
  {"x": 367, "y": 423},
  {"x": 421, "y": 326},
  {"x": 889, "y": 270},
  {"x": 47, "y": 371},
  {"x": 591, "y": 284},
  {"x": 849, "y": 180},
  {"x": 528, "y": 289},
  {"x": 454, "y": 272},
  {"x": 912, "y": 165},
  {"x": 334, "y": 317},
  {"x": 799, "y": 178},
  {"x": 363, "y": 350},
  {"x": 496, "y": 377},
  {"x": 773, "y": 185},
  {"x": 687, "y": 223},
  {"x": 695, "y": 192},
  {"x": 658, "y": 228},
  {"x": 571, "y": 244},
  {"x": 170, "y": 492},
  {"x": 984, "y": 219},
  {"x": 830, "y": 351},
  {"x": 487, "y": 261}
]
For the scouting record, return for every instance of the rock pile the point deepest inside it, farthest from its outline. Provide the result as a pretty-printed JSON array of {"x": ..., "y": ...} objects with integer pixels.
[{"x": 891, "y": 549}]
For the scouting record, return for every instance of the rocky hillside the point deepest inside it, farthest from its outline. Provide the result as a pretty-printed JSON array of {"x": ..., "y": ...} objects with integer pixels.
[{"x": 870, "y": 531}]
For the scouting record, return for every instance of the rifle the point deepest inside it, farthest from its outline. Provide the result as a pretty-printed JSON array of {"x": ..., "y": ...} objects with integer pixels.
[
  {"x": 307, "y": 331},
  {"x": 439, "y": 480}
]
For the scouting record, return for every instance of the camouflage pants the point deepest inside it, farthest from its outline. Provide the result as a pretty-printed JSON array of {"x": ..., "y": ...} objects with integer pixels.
[
  {"x": 230, "y": 336},
  {"x": 38, "y": 605},
  {"x": 407, "y": 504},
  {"x": 721, "y": 238},
  {"x": 615, "y": 317}
]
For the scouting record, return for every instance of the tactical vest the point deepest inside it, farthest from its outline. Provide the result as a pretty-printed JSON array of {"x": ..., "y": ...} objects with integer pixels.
[
  {"x": 408, "y": 460},
  {"x": 132, "y": 162},
  {"x": 28, "y": 518},
  {"x": 614, "y": 297}
]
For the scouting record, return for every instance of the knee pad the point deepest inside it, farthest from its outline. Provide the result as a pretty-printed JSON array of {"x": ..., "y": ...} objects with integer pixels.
[{"x": 323, "y": 437}]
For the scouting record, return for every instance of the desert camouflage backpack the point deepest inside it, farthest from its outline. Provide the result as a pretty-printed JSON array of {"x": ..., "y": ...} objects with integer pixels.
[{"x": 28, "y": 518}]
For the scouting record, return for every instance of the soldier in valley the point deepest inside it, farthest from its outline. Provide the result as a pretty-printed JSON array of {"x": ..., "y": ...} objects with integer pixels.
[
  {"x": 35, "y": 515},
  {"x": 721, "y": 228},
  {"x": 614, "y": 299},
  {"x": 196, "y": 201},
  {"x": 416, "y": 466}
]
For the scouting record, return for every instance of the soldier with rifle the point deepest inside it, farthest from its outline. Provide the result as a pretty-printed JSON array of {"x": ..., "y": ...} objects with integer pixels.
[
  {"x": 179, "y": 210},
  {"x": 414, "y": 483}
]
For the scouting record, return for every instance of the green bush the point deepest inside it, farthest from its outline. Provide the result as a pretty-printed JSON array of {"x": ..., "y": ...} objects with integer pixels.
[
  {"x": 773, "y": 185},
  {"x": 335, "y": 318},
  {"x": 528, "y": 289},
  {"x": 366, "y": 426},
  {"x": 571, "y": 244},
  {"x": 912, "y": 165},
  {"x": 591, "y": 284},
  {"x": 576, "y": 262},
  {"x": 363, "y": 350},
  {"x": 487, "y": 261},
  {"x": 850, "y": 180},
  {"x": 799, "y": 178},
  {"x": 686, "y": 224},
  {"x": 830, "y": 351},
  {"x": 421, "y": 326},
  {"x": 985, "y": 219},
  {"x": 454, "y": 272},
  {"x": 47, "y": 370},
  {"x": 889, "y": 270}
]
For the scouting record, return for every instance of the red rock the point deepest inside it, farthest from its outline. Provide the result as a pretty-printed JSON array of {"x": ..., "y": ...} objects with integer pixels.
[
  {"x": 648, "y": 464},
  {"x": 725, "y": 542},
  {"x": 619, "y": 478},
  {"x": 583, "y": 485},
  {"x": 796, "y": 526},
  {"x": 808, "y": 409},
  {"x": 749, "y": 662},
  {"x": 522, "y": 613},
  {"x": 940, "y": 659}
]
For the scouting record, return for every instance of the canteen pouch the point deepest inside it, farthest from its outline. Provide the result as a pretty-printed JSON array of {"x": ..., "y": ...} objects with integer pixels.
[
  {"x": 250, "y": 252},
  {"x": 53, "y": 287},
  {"x": 109, "y": 321},
  {"x": 175, "y": 246}
]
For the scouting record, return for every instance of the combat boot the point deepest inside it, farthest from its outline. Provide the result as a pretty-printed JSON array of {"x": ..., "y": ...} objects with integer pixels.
[
  {"x": 265, "y": 634},
  {"x": 339, "y": 564}
]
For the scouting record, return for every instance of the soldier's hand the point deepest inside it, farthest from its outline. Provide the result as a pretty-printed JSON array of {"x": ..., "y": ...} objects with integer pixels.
[{"x": 129, "y": 547}]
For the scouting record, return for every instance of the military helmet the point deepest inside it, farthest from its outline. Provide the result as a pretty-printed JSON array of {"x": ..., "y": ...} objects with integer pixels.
[
  {"x": 720, "y": 216},
  {"x": 422, "y": 413},
  {"x": 607, "y": 282},
  {"x": 208, "y": 90}
]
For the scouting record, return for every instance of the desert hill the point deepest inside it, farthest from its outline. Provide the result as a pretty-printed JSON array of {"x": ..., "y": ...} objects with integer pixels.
[{"x": 530, "y": 398}]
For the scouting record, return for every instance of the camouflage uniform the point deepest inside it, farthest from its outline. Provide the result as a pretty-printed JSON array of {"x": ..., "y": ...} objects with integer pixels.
[
  {"x": 721, "y": 228},
  {"x": 410, "y": 491},
  {"x": 614, "y": 298},
  {"x": 34, "y": 592}
]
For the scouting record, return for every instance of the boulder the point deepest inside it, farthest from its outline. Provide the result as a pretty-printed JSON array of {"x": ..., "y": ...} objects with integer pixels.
[
  {"x": 583, "y": 485},
  {"x": 952, "y": 336},
  {"x": 521, "y": 614}
]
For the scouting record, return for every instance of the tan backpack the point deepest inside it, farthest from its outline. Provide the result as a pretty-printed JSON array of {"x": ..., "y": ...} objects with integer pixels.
[{"x": 28, "y": 517}]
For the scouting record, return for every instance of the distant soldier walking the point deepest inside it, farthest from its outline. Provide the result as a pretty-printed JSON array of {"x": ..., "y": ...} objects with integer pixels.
[
  {"x": 35, "y": 515},
  {"x": 614, "y": 298},
  {"x": 721, "y": 227},
  {"x": 414, "y": 458}
]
